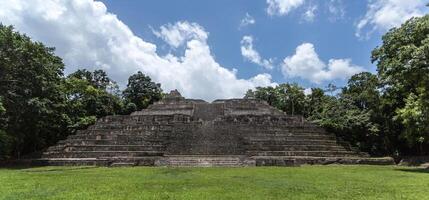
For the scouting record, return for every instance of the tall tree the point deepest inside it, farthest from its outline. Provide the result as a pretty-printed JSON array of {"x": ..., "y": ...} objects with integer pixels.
[
  {"x": 30, "y": 79},
  {"x": 403, "y": 68},
  {"x": 141, "y": 91},
  {"x": 314, "y": 102},
  {"x": 291, "y": 98},
  {"x": 98, "y": 79},
  {"x": 267, "y": 94},
  {"x": 88, "y": 98},
  {"x": 4, "y": 138}
]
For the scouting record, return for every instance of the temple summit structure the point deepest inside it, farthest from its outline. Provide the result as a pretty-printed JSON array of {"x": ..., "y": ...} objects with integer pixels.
[{"x": 190, "y": 132}]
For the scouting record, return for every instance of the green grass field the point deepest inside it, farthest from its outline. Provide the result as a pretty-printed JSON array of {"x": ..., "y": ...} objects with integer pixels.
[{"x": 307, "y": 182}]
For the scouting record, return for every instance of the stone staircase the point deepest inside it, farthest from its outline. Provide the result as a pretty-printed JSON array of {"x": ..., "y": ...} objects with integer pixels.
[
  {"x": 181, "y": 132},
  {"x": 205, "y": 161},
  {"x": 112, "y": 141}
]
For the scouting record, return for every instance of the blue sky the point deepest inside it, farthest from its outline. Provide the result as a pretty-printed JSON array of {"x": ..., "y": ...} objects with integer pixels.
[
  {"x": 274, "y": 36},
  {"x": 214, "y": 49}
]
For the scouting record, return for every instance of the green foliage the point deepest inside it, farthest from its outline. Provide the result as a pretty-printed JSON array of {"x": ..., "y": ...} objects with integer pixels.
[
  {"x": 387, "y": 113},
  {"x": 4, "y": 138},
  {"x": 314, "y": 102},
  {"x": 30, "y": 77},
  {"x": 402, "y": 64},
  {"x": 2, "y": 109},
  {"x": 355, "y": 125},
  {"x": 286, "y": 97},
  {"x": 39, "y": 106},
  {"x": 141, "y": 91},
  {"x": 87, "y": 98},
  {"x": 412, "y": 116},
  {"x": 98, "y": 79},
  {"x": 5, "y": 145},
  {"x": 352, "y": 114}
]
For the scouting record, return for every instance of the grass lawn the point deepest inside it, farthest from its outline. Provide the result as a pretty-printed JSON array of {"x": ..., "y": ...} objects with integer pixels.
[{"x": 307, "y": 182}]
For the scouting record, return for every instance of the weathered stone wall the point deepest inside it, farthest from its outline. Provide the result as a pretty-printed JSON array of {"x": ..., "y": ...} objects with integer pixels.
[{"x": 176, "y": 130}]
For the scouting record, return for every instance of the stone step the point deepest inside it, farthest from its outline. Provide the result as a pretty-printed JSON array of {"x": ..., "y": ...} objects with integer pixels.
[
  {"x": 143, "y": 126},
  {"x": 292, "y": 137},
  {"x": 98, "y": 154},
  {"x": 124, "y": 132},
  {"x": 305, "y": 153},
  {"x": 123, "y": 164},
  {"x": 168, "y": 132},
  {"x": 287, "y": 134},
  {"x": 290, "y": 142},
  {"x": 307, "y": 160},
  {"x": 258, "y": 147},
  {"x": 114, "y": 148},
  {"x": 138, "y": 161},
  {"x": 204, "y": 161},
  {"x": 156, "y": 125},
  {"x": 72, "y": 162},
  {"x": 117, "y": 137},
  {"x": 111, "y": 142},
  {"x": 282, "y": 128}
]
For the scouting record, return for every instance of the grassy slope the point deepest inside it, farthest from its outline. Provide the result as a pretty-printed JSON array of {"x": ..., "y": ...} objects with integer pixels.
[{"x": 308, "y": 182}]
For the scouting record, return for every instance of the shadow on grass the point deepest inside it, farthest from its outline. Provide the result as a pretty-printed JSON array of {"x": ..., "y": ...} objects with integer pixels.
[
  {"x": 18, "y": 167},
  {"x": 59, "y": 169},
  {"x": 415, "y": 170}
]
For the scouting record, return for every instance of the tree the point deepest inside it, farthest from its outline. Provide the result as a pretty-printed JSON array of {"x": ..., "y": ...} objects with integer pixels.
[
  {"x": 88, "y": 98},
  {"x": 141, "y": 91},
  {"x": 30, "y": 79},
  {"x": 403, "y": 68},
  {"x": 291, "y": 98},
  {"x": 4, "y": 138},
  {"x": 249, "y": 94},
  {"x": 362, "y": 88},
  {"x": 314, "y": 102},
  {"x": 98, "y": 79},
  {"x": 267, "y": 94}
]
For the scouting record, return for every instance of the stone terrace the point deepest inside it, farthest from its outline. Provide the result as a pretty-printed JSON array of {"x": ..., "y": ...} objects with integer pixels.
[{"x": 187, "y": 132}]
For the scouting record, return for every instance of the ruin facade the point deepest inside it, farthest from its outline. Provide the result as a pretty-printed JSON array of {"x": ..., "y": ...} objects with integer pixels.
[{"x": 190, "y": 132}]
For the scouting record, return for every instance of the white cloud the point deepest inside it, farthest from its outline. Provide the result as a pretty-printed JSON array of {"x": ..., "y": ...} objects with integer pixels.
[
  {"x": 263, "y": 79},
  {"x": 310, "y": 14},
  {"x": 306, "y": 64},
  {"x": 177, "y": 34},
  {"x": 336, "y": 10},
  {"x": 249, "y": 53},
  {"x": 282, "y": 7},
  {"x": 86, "y": 35},
  {"x": 385, "y": 14},
  {"x": 247, "y": 20}
]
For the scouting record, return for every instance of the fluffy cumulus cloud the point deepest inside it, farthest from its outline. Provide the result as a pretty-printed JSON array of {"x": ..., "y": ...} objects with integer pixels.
[
  {"x": 282, "y": 7},
  {"x": 306, "y": 64},
  {"x": 247, "y": 20},
  {"x": 87, "y": 36},
  {"x": 385, "y": 14},
  {"x": 177, "y": 34},
  {"x": 250, "y": 54}
]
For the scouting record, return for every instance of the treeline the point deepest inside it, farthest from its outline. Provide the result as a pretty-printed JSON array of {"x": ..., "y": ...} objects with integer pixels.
[
  {"x": 385, "y": 113},
  {"x": 39, "y": 105}
]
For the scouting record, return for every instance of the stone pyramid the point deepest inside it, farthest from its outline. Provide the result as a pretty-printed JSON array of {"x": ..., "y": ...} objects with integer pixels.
[{"x": 190, "y": 132}]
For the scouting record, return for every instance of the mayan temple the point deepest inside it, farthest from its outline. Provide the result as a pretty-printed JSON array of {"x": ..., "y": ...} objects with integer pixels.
[{"x": 188, "y": 132}]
